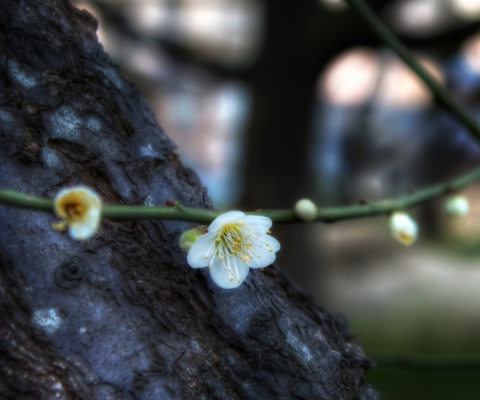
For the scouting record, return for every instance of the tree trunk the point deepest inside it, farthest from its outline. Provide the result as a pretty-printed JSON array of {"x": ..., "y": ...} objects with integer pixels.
[{"x": 122, "y": 315}]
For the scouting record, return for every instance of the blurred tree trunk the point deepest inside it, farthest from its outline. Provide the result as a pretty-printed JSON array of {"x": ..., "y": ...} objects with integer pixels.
[
  {"x": 299, "y": 40},
  {"x": 122, "y": 315}
]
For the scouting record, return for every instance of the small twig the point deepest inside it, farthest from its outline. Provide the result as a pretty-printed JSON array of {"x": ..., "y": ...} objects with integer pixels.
[
  {"x": 330, "y": 214},
  {"x": 442, "y": 96}
]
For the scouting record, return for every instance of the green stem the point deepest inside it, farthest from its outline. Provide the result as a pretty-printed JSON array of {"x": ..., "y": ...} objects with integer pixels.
[
  {"x": 330, "y": 214},
  {"x": 21, "y": 200},
  {"x": 181, "y": 213},
  {"x": 442, "y": 96},
  {"x": 427, "y": 363}
]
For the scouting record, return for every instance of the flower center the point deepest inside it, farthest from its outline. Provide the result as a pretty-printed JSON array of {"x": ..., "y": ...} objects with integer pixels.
[
  {"x": 72, "y": 207},
  {"x": 235, "y": 240},
  {"x": 232, "y": 240},
  {"x": 74, "y": 211}
]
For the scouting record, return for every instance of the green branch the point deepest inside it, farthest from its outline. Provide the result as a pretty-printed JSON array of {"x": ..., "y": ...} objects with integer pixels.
[
  {"x": 330, "y": 214},
  {"x": 181, "y": 213},
  {"x": 428, "y": 363},
  {"x": 442, "y": 96},
  {"x": 21, "y": 200}
]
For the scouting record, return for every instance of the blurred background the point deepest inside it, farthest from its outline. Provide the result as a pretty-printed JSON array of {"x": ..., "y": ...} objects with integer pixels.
[{"x": 271, "y": 101}]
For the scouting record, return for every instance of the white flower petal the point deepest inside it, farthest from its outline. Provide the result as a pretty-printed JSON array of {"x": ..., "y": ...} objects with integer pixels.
[
  {"x": 202, "y": 250},
  {"x": 85, "y": 229},
  {"x": 274, "y": 243},
  {"x": 228, "y": 217},
  {"x": 263, "y": 255},
  {"x": 258, "y": 222},
  {"x": 230, "y": 276}
]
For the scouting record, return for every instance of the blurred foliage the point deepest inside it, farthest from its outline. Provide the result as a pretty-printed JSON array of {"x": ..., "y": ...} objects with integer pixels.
[{"x": 394, "y": 384}]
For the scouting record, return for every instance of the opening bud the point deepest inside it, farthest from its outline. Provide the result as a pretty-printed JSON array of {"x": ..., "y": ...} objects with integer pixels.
[{"x": 403, "y": 228}]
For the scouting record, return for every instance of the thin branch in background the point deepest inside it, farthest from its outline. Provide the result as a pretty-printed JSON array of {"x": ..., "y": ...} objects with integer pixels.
[
  {"x": 427, "y": 363},
  {"x": 442, "y": 96}
]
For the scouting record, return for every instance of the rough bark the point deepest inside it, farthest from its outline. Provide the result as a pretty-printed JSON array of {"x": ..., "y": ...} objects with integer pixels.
[{"x": 122, "y": 315}]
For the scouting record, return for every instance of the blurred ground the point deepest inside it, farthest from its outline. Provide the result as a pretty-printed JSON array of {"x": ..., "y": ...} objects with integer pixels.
[
  {"x": 432, "y": 290},
  {"x": 410, "y": 301}
]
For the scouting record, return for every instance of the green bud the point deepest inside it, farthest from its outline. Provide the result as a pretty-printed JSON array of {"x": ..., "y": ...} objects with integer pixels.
[
  {"x": 306, "y": 210},
  {"x": 457, "y": 206},
  {"x": 188, "y": 237}
]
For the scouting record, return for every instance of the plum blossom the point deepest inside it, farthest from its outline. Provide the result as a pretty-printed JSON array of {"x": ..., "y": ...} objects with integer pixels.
[{"x": 233, "y": 244}]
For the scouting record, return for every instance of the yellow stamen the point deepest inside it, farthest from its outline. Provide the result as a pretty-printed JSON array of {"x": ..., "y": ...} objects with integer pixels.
[
  {"x": 60, "y": 226},
  {"x": 406, "y": 238}
]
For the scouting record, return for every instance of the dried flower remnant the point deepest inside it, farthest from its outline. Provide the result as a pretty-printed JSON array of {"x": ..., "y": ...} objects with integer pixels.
[
  {"x": 403, "y": 228},
  {"x": 234, "y": 243},
  {"x": 79, "y": 208}
]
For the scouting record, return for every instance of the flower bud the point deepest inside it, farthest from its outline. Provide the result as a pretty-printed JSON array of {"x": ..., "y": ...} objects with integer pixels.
[
  {"x": 189, "y": 237},
  {"x": 457, "y": 206},
  {"x": 403, "y": 228},
  {"x": 306, "y": 210}
]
